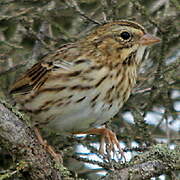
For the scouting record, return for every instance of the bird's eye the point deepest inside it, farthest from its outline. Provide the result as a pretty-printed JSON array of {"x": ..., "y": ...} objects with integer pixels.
[{"x": 125, "y": 35}]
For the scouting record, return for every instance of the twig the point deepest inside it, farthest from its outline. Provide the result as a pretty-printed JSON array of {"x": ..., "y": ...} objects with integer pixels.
[
  {"x": 11, "y": 45},
  {"x": 39, "y": 43},
  {"x": 12, "y": 69},
  {"x": 176, "y": 3},
  {"x": 157, "y": 5},
  {"x": 74, "y": 4},
  {"x": 23, "y": 12},
  {"x": 35, "y": 35},
  {"x": 143, "y": 12},
  {"x": 101, "y": 164}
]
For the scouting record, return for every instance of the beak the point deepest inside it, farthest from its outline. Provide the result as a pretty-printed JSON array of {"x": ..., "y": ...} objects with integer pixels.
[{"x": 149, "y": 39}]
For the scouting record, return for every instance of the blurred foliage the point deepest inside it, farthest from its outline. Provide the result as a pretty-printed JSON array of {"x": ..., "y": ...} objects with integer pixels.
[{"x": 31, "y": 28}]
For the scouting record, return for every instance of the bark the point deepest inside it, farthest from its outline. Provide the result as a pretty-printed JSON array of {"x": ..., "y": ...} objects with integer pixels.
[
  {"x": 160, "y": 159},
  {"x": 141, "y": 171},
  {"x": 19, "y": 139}
]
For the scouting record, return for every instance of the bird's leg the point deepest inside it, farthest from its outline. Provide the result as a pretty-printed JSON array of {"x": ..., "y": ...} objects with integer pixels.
[
  {"x": 106, "y": 134},
  {"x": 47, "y": 147}
]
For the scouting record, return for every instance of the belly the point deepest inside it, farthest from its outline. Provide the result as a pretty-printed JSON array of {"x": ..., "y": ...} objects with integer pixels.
[{"x": 76, "y": 118}]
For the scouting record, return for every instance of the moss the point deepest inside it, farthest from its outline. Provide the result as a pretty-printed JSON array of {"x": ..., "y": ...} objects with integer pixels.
[
  {"x": 158, "y": 152},
  {"x": 64, "y": 171},
  {"x": 9, "y": 173},
  {"x": 19, "y": 114}
]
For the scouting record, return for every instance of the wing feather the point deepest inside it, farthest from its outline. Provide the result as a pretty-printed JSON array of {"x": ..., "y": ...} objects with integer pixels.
[
  {"x": 33, "y": 79},
  {"x": 37, "y": 75}
]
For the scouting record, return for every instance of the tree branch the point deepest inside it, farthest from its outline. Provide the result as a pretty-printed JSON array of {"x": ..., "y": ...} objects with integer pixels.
[
  {"x": 20, "y": 140},
  {"x": 158, "y": 160}
]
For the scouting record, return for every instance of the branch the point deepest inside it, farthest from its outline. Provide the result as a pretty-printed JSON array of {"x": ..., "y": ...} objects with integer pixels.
[
  {"x": 21, "y": 142},
  {"x": 159, "y": 160},
  {"x": 140, "y": 171},
  {"x": 73, "y": 3},
  {"x": 11, "y": 69},
  {"x": 16, "y": 15},
  {"x": 39, "y": 43}
]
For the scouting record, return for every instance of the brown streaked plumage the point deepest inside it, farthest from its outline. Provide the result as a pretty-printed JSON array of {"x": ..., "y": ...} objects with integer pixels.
[{"x": 82, "y": 85}]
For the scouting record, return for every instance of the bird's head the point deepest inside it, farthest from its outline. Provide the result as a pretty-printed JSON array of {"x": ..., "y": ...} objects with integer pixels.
[{"x": 124, "y": 40}]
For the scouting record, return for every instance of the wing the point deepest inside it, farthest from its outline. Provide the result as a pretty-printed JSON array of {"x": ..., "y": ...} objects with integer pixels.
[
  {"x": 66, "y": 58},
  {"x": 34, "y": 78},
  {"x": 37, "y": 75}
]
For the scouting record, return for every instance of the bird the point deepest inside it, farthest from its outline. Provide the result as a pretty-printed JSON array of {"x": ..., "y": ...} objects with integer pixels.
[{"x": 82, "y": 85}]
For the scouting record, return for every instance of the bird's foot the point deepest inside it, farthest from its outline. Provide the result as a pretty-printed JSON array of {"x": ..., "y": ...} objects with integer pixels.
[
  {"x": 107, "y": 138},
  {"x": 110, "y": 141}
]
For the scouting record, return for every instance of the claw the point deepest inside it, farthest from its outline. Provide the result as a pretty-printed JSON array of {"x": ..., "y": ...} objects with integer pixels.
[
  {"x": 112, "y": 141},
  {"x": 107, "y": 136}
]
